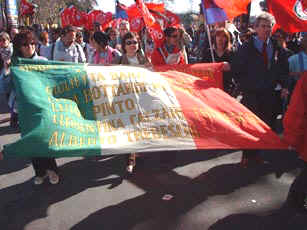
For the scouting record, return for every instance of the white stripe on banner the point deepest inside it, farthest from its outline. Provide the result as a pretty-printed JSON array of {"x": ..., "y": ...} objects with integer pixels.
[{"x": 136, "y": 110}]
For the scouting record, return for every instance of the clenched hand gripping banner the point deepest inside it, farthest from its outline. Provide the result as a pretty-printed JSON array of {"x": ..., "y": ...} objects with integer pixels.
[{"x": 79, "y": 110}]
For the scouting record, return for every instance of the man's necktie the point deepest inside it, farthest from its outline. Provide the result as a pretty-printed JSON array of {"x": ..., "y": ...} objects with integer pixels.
[{"x": 265, "y": 54}]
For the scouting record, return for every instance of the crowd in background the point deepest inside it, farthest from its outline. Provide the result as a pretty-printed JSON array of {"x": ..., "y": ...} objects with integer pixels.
[{"x": 260, "y": 67}]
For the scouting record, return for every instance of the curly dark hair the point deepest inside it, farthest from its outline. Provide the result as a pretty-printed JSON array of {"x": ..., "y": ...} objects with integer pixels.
[
  {"x": 130, "y": 35},
  {"x": 20, "y": 39}
]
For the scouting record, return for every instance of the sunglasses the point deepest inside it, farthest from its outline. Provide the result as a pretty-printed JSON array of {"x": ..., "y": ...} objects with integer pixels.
[
  {"x": 131, "y": 42},
  {"x": 28, "y": 44}
]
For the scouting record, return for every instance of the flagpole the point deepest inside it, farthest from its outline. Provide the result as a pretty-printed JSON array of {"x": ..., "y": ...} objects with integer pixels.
[{"x": 208, "y": 32}]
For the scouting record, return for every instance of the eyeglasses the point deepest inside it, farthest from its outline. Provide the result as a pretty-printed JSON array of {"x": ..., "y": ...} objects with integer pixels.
[
  {"x": 28, "y": 44},
  {"x": 131, "y": 42}
]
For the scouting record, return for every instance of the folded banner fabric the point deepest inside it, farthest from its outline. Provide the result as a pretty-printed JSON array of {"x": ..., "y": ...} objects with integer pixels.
[{"x": 78, "y": 110}]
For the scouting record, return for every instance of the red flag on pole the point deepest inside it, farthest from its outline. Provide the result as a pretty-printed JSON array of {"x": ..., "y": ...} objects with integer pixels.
[
  {"x": 290, "y": 15},
  {"x": 26, "y": 8},
  {"x": 66, "y": 17},
  {"x": 100, "y": 17},
  {"x": 233, "y": 8},
  {"x": 152, "y": 25}
]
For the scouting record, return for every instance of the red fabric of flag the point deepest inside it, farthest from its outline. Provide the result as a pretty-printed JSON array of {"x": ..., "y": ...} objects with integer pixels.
[
  {"x": 290, "y": 15},
  {"x": 98, "y": 16},
  {"x": 136, "y": 24},
  {"x": 233, "y": 8},
  {"x": 66, "y": 17},
  {"x": 26, "y": 8},
  {"x": 78, "y": 18},
  {"x": 152, "y": 25},
  {"x": 223, "y": 125}
]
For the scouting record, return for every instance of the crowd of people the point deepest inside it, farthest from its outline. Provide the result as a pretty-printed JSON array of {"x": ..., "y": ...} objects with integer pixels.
[{"x": 261, "y": 67}]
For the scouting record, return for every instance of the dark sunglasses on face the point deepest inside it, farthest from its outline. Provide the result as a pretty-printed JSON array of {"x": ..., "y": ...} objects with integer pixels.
[
  {"x": 28, "y": 44},
  {"x": 131, "y": 42}
]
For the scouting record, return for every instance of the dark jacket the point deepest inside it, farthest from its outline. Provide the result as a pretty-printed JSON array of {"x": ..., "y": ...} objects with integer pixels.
[{"x": 250, "y": 72}]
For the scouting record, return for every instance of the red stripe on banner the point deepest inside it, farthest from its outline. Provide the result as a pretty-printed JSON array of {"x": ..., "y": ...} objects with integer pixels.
[
  {"x": 218, "y": 120},
  {"x": 211, "y": 73}
]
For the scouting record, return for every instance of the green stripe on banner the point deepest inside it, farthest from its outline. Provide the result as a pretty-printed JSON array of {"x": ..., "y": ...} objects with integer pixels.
[{"x": 49, "y": 104}]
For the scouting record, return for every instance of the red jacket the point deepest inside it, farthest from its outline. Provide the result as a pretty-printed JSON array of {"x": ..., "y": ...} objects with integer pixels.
[
  {"x": 295, "y": 121},
  {"x": 158, "y": 59}
]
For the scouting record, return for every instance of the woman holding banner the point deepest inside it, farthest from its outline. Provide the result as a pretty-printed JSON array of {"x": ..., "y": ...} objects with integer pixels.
[
  {"x": 24, "y": 47},
  {"x": 223, "y": 52},
  {"x": 132, "y": 55}
]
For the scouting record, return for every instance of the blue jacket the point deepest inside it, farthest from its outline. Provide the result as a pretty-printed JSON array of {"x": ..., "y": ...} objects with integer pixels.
[{"x": 250, "y": 72}]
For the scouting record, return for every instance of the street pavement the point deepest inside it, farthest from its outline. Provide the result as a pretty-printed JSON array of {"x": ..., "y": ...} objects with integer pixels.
[{"x": 196, "y": 190}]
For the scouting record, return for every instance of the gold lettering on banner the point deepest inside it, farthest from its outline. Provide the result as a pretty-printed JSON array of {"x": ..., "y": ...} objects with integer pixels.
[
  {"x": 53, "y": 141},
  {"x": 74, "y": 82},
  {"x": 84, "y": 79},
  {"x": 103, "y": 88},
  {"x": 107, "y": 126},
  {"x": 68, "y": 122},
  {"x": 62, "y": 139},
  {"x": 73, "y": 140},
  {"x": 128, "y": 88},
  {"x": 132, "y": 119},
  {"x": 111, "y": 140},
  {"x": 97, "y": 77},
  {"x": 96, "y": 92},
  {"x": 87, "y": 93},
  {"x": 181, "y": 130},
  {"x": 115, "y": 107},
  {"x": 75, "y": 99}
]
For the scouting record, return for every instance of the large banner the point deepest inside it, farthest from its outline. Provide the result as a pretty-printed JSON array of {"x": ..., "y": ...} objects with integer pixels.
[{"x": 79, "y": 110}]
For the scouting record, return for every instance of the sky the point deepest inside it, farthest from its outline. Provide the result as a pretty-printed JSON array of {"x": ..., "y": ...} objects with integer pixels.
[{"x": 179, "y": 6}]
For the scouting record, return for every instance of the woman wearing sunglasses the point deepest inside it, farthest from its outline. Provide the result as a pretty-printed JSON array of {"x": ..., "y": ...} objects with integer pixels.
[
  {"x": 132, "y": 51},
  {"x": 24, "y": 47},
  {"x": 132, "y": 55}
]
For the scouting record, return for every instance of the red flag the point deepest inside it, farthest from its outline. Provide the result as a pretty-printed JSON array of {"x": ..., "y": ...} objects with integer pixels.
[
  {"x": 290, "y": 15},
  {"x": 152, "y": 25},
  {"x": 26, "y": 8},
  {"x": 233, "y": 8},
  {"x": 78, "y": 18},
  {"x": 98, "y": 16},
  {"x": 66, "y": 17},
  {"x": 136, "y": 24},
  {"x": 174, "y": 20}
]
